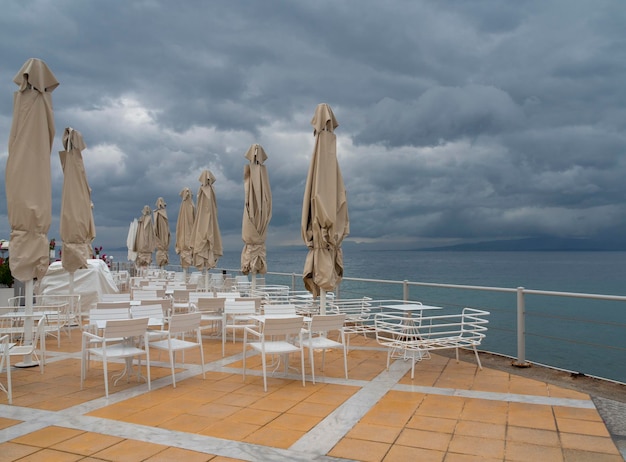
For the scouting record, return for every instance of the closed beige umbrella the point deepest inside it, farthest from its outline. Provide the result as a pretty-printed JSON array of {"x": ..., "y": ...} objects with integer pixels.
[
  {"x": 257, "y": 212},
  {"x": 184, "y": 228},
  {"x": 161, "y": 233},
  {"x": 206, "y": 240},
  {"x": 28, "y": 179},
  {"x": 324, "y": 210},
  {"x": 144, "y": 239},
  {"x": 77, "y": 226}
]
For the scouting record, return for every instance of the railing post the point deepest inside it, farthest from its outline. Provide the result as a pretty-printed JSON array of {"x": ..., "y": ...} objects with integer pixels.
[
  {"x": 521, "y": 330},
  {"x": 405, "y": 290},
  {"x": 293, "y": 281}
]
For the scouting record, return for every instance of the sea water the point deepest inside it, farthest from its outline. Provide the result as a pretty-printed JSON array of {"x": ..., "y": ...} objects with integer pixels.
[{"x": 581, "y": 335}]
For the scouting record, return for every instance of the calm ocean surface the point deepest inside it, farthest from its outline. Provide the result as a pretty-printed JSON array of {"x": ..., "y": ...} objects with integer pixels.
[{"x": 582, "y": 335}]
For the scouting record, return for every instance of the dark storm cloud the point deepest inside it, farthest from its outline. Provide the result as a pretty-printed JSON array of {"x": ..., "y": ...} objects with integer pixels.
[{"x": 458, "y": 120}]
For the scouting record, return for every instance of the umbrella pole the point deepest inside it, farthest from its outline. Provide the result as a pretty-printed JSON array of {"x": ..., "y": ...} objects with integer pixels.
[
  {"x": 206, "y": 279},
  {"x": 322, "y": 301},
  {"x": 253, "y": 280},
  {"x": 71, "y": 292},
  {"x": 28, "y": 324}
]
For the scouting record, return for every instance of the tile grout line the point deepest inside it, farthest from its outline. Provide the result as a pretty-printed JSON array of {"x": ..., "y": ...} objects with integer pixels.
[{"x": 325, "y": 435}]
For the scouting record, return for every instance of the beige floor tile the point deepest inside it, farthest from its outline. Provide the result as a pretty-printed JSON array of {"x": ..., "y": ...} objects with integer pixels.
[
  {"x": 424, "y": 439},
  {"x": 582, "y": 427},
  {"x": 187, "y": 423},
  {"x": 453, "y": 457},
  {"x": 5, "y": 423},
  {"x": 253, "y": 416},
  {"x": 576, "y": 413},
  {"x": 532, "y": 436},
  {"x": 230, "y": 429},
  {"x": 47, "y": 436},
  {"x": 50, "y": 455},
  {"x": 399, "y": 453},
  {"x": 14, "y": 451},
  {"x": 366, "y": 451},
  {"x": 372, "y": 432},
  {"x": 298, "y": 422},
  {"x": 130, "y": 451},
  {"x": 449, "y": 407},
  {"x": 275, "y": 437},
  {"x": 433, "y": 424},
  {"x": 482, "y": 410},
  {"x": 531, "y": 415},
  {"x": 87, "y": 443},
  {"x": 523, "y": 452},
  {"x": 174, "y": 454},
  {"x": 480, "y": 429},
  {"x": 472, "y": 445},
  {"x": 573, "y": 455},
  {"x": 588, "y": 443}
]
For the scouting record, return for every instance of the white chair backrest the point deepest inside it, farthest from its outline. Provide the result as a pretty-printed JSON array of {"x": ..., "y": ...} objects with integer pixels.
[
  {"x": 108, "y": 314},
  {"x": 282, "y": 326},
  {"x": 228, "y": 295},
  {"x": 180, "y": 323},
  {"x": 194, "y": 295},
  {"x": 147, "y": 311},
  {"x": 210, "y": 304},
  {"x": 148, "y": 294},
  {"x": 121, "y": 328},
  {"x": 327, "y": 322},
  {"x": 239, "y": 307},
  {"x": 279, "y": 309},
  {"x": 114, "y": 297}
]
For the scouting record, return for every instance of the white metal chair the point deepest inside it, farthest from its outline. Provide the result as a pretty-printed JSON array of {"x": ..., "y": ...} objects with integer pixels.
[
  {"x": 156, "y": 319},
  {"x": 5, "y": 364},
  {"x": 236, "y": 316},
  {"x": 212, "y": 312},
  {"x": 281, "y": 309},
  {"x": 38, "y": 338},
  {"x": 179, "y": 325},
  {"x": 316, "y": 338},
  {"x": 278, "y": 336},
  {"x": 127, "y": 329}
]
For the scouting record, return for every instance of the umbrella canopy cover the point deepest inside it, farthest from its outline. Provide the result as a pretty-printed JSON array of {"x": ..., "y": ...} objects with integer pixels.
[
  {"x": 161, "y": 233},
  {"x": 206, "y": 240},
  {"x": 257, "y": 211},
  {"x": 144, "y": 240},
  {"x": 77, "y": 226},
  {"x": 324, "y": 208},
  {"x": 130, "y": 240},
  {"x": 184, "y": 227},
  {"x": 28, "y": 179}
]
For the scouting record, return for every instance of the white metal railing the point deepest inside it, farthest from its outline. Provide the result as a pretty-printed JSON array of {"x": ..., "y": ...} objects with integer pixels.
[{"x": 520, "y": 294}]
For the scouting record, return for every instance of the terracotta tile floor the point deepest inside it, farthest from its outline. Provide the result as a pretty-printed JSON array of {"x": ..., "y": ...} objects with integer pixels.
[{"x": 449, "y": 412}]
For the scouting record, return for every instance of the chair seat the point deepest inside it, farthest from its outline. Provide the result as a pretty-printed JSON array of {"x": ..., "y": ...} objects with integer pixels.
[
  {"x": 320, "y": 343},
  {"x": 275, "y": 347},
  {"x": 177, "y": 344},
  {"x": 118, "y": 350}
]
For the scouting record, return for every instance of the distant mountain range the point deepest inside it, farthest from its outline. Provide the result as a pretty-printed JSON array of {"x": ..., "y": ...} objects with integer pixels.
[{"x": 539, "y": 244}]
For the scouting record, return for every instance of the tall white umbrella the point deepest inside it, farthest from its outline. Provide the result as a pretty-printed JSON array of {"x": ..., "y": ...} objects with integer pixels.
[
  {"x": 206, "y": 239},
  {"x": 184, "y": 228},
  {"x": 161, "y": 233},
  {"x": 257, "y": 212},
  {"x": 144, "y": 240},
  {"x": 28, "y": 179},
  {"x": 325, "y": 220},
  {"x": 77, "y": 226}
]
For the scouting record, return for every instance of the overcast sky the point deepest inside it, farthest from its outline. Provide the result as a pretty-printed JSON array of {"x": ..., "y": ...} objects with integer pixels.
[{"x": 458, "y": 120}]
